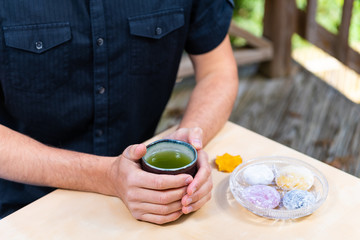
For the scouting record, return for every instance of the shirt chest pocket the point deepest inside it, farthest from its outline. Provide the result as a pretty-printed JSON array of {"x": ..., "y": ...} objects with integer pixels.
[
  {"x": 37, "y": 56},
  {"x": 155, "y": 38}
]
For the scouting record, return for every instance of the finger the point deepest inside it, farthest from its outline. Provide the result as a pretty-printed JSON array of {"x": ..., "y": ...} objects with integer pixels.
[
  {"x": 195, "y": 137},
  {"x": 204, "y": 190},
  {"x": 180, "y": 134},
  {"x": 161, "y": 219},
  {"x": 157, "y": 209},
  {"x": 203, "y": 173},
  {"x": 196, "y": 205},
  {"x": 156, "y": 197},
  {"x": 134, "y": 152},
  {"x": 160, "y": 181}
]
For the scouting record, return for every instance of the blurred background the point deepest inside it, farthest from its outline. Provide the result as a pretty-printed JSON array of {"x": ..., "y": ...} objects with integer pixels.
[
  {"x": 299, "y": 82},
  {"x": 249, "y": 14}
]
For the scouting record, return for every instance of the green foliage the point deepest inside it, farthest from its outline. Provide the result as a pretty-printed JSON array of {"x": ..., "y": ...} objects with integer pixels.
[
  {"x": 355, "y": 23},
  {"x": 301, "y": 4},
  {"x": 329, "y": 14},
  {"x": 248, "y": 14}
]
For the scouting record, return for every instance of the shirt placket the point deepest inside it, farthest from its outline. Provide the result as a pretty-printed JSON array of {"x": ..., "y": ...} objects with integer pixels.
[{"x": 100, "y": 66}]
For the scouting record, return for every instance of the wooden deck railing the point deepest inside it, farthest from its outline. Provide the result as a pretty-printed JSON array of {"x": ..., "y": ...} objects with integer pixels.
[
  {"x": 259, "y": 50},
  {"x": 337, "y": 45},
  {"x": 282, "y": 19}
]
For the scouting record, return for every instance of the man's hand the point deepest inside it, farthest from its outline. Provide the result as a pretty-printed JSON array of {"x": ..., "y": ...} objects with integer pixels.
[
  {"x": 199, "y": 190},
  {"x": 209, "y": 107},
  {"x": 149, "y": 197}
]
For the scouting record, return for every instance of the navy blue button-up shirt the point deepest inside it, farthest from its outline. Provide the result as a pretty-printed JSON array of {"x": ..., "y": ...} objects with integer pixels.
[{"x": 94, "y": 76}]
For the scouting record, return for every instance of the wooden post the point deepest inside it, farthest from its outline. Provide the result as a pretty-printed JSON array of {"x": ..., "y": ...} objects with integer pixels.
[
  {"x": 279, "y": 26},
  {"x": 311, "y": 25},
  {"x": 342, "y": 47}
]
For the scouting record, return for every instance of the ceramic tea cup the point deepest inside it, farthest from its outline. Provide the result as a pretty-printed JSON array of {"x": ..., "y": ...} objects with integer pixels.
[{"x": 168, "y": 156}]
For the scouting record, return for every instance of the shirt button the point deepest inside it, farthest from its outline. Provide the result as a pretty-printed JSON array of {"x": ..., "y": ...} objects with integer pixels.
[
  {"x": 100, "y": 42},
  {"x": 99, "y": 133},
  {"x": 39, "y": 45},
  {"x": 158, "y": 30},
  {"x": 101, "y": 90}
]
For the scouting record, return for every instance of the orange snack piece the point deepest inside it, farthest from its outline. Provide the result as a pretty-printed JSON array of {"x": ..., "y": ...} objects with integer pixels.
[{"x": 227, "y": 162}]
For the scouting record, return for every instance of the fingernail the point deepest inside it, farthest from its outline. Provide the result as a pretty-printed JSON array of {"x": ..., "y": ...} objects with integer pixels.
[
  {"x": 189, "y": 209},
  {"x": 188, "y": 180},
  {"x": 188, "y": 201}
]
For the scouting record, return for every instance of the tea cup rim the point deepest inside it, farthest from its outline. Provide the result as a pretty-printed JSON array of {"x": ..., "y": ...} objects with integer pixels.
[{"x": 188, "y": 145}]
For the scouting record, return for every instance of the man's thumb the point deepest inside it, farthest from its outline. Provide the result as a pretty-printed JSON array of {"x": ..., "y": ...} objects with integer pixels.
[{"x": 135, "y": 152}]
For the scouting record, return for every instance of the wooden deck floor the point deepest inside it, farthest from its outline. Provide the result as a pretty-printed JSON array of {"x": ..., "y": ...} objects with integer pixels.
[{"x": 302, "y": 112}]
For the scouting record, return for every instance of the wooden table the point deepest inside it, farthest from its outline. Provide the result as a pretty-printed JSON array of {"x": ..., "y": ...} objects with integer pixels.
[{"x": 78, "y": 215}]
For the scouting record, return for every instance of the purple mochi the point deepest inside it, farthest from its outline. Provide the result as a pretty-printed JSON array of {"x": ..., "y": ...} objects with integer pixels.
[{"x": 262, "y": 196}]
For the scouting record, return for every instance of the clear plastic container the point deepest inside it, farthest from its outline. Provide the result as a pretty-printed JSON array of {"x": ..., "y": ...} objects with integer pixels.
[{"x": 238, "y": 183}]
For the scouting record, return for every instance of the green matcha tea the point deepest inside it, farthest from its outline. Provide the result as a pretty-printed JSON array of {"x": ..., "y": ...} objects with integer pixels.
[{"x": 169, "y": 159}]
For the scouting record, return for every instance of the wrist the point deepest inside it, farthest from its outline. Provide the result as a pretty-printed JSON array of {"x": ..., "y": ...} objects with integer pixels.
[{"x": 107, "y": 172}]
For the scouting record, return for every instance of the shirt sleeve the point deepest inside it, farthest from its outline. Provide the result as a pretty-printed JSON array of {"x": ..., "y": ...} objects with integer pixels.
[{"x": 209, "y": 25}]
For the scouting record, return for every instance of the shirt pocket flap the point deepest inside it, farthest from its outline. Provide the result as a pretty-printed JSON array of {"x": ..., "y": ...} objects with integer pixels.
[
  {"x": 157, "y": 25},
  {"x": 37, "y": 38}
]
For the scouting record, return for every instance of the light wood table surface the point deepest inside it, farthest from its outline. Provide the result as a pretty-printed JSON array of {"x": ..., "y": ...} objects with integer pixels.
[{"x": 66, "y": 214}]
